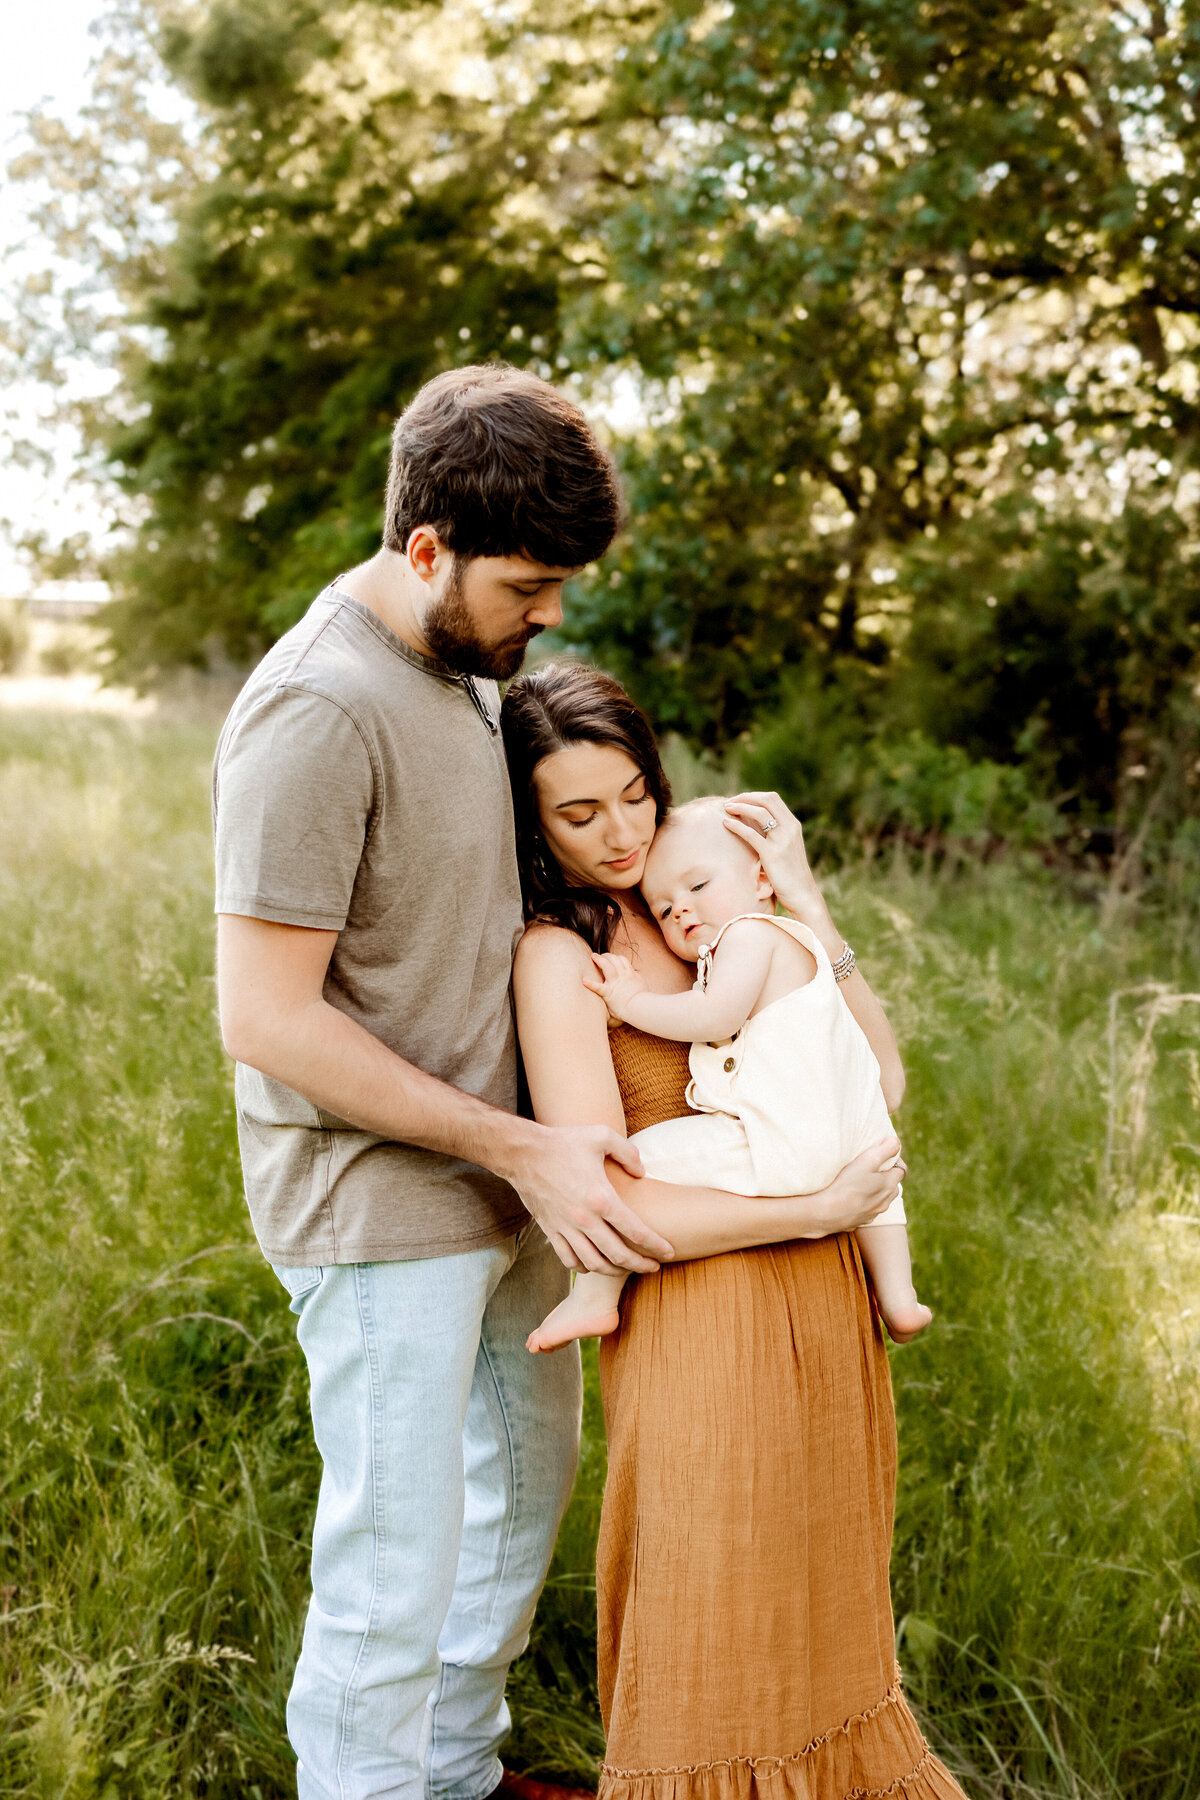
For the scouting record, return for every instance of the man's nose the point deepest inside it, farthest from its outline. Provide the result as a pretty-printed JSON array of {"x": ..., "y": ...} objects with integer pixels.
[{"x": 547, "y": 612}]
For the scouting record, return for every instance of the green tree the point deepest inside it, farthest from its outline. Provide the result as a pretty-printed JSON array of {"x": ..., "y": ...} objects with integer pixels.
[
  {"x": 348, "y": 222},
  {"x": 902, "y": 298},
  {"x": 907, "y": 288}
]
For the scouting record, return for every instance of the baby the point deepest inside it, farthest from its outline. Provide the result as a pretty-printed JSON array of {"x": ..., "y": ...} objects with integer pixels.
[{"x": 785, "y": 1087}]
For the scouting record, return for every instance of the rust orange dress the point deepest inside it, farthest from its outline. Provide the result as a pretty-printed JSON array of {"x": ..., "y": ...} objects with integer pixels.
[{"x": 746, "y": 1643}]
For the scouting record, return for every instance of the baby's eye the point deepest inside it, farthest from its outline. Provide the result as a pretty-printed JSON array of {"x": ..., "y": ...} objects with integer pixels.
[
  {"x": 698, "y": 885},
  {"x": 664, "y": 912}
]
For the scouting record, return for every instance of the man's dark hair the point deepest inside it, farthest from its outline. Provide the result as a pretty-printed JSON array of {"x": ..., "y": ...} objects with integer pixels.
[{"x": 499, "y": 463}]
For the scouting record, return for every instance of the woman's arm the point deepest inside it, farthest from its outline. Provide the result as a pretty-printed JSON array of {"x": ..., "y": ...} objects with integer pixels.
[
  {"x": 785, "y": 859},
  {"x": 568, "y": 1066}
]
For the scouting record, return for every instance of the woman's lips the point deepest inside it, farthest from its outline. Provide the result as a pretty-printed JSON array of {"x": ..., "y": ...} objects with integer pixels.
[{"x": 624, "y": 862}]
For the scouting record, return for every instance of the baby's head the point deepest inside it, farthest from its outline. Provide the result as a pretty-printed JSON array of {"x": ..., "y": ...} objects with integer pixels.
[{"x": 698, "y": 876}]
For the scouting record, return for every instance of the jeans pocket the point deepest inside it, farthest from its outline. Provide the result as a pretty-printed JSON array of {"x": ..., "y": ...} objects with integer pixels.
[{"x": 300, "y": 1283}]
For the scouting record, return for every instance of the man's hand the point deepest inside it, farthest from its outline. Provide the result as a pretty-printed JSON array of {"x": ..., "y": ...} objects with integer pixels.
[
  {"x": 613, "y": 978},
  {"x": 560, "y": 1175}
]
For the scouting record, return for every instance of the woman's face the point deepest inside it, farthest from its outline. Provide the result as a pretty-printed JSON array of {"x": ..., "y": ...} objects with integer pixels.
[{"x": 597, "y": 814}]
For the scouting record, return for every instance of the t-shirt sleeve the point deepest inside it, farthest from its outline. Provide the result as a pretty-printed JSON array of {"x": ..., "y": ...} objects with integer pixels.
[{"x": 293, "y": 799}]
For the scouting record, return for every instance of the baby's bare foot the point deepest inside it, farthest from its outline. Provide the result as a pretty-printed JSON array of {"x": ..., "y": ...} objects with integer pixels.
[
  {"x": 904, "y": 1321},
  {"x": 570, "y": 1321}
]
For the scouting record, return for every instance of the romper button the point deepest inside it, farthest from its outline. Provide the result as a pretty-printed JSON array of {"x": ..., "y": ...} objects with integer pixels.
[{"x": 728, "y": 1065}]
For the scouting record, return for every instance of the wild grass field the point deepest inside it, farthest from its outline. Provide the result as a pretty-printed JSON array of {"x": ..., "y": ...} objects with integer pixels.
[{"x": 156, "y": 1472}]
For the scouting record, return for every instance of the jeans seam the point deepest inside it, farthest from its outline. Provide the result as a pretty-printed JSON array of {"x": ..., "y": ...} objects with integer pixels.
[
  {"x": 378, "y": 1522},
  {"x": 514, "y": 1488}
]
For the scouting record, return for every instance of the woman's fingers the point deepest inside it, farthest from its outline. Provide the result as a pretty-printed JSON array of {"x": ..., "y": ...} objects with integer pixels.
[
  {"x": 761, "y": 808},
  {"x": 775, "y": 834},
  {"x": 749, "y": 834}
]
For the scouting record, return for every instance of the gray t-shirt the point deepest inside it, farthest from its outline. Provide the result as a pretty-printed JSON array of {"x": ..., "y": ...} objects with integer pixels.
[{"x": 362, "y": 788}]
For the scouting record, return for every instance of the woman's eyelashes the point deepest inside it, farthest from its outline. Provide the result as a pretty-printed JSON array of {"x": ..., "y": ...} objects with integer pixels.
[{"x": 630, "y": 800}]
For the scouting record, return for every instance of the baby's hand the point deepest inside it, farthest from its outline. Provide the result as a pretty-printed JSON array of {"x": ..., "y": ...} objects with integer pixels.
[{"x": 615, "y": 982}]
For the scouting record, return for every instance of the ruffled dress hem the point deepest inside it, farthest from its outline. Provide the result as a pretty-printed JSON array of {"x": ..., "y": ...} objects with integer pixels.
[{"x": 857, "y": 1760}]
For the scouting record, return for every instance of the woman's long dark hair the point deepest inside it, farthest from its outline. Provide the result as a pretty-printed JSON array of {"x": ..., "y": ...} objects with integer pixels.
[{"x": 549, "y": 709}]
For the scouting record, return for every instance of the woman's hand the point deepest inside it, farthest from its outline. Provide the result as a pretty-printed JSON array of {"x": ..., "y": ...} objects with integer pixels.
[
  {"x": 776, "y": 836},
  {"x": 864, "y": 1189},
  {"x": 613, "y": 978}
]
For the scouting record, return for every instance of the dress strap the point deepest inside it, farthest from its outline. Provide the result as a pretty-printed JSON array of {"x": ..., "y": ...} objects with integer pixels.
[{"x": 794, "y": 929}]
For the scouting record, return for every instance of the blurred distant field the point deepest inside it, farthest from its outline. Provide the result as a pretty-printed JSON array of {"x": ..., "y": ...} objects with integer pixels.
[{"x": 157, "y": 1473}]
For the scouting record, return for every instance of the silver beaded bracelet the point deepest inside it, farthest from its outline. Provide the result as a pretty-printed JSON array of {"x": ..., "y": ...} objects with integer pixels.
[{"x": 845, "y": 963}]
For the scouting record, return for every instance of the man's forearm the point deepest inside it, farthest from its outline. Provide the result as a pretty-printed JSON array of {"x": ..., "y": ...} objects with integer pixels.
[{"x": 338, "y": 1065}]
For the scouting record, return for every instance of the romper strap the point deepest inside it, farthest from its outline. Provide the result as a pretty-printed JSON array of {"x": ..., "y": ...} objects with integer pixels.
[{"x": 794, "y": 929}]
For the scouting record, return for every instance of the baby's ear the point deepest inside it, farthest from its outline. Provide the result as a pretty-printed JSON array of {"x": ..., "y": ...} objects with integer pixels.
[{"x": 762, "y": 886}]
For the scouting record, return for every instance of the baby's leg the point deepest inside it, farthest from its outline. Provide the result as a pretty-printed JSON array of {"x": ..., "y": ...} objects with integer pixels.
[
  {"x": 698, "y": 1150},
  {"x": 589, "y": 1310},
  {"x": 884, "y": 1250}
]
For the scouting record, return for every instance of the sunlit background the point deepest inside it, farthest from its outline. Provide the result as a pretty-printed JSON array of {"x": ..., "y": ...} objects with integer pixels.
[{"x": 890, "y": 313}]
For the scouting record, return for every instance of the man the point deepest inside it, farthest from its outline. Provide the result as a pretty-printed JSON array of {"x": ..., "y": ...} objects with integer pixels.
[{"x": 368, "y": 909}]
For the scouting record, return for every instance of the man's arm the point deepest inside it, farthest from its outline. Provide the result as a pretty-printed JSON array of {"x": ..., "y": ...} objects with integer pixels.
[{"x": 274, "y": 1017}]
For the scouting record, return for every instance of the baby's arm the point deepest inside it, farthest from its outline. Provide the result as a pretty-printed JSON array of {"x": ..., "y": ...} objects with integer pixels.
[{"x": 739, "y": 973}]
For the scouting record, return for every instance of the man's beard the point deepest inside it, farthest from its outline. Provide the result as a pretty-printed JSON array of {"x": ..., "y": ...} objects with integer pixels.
[{"x": 450, "y": 632}]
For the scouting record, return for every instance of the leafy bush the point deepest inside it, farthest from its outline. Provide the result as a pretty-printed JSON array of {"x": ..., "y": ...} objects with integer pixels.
[{"x": 856, "y": 784}]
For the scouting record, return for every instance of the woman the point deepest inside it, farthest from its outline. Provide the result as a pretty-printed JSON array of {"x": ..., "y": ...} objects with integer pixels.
[{"x": 745, "y": 1629}]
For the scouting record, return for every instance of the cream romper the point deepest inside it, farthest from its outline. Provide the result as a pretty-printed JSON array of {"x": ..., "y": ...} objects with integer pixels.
[{"x": 785, "y": 1103}]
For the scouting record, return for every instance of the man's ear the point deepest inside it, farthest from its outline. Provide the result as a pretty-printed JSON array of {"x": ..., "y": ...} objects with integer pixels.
[{"x": 425, "y": 551}]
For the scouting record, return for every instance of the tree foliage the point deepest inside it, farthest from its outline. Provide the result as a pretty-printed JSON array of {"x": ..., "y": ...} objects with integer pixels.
[
  {"x": 916, "y": 291},
  {"x": 893, "y": 306}
]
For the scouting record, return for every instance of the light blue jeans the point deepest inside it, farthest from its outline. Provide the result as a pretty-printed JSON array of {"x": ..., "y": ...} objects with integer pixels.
[{"x": 449, "y": 1453}]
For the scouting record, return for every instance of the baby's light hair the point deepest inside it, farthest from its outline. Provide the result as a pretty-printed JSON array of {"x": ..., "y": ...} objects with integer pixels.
[{"x": 705, "y": 805}]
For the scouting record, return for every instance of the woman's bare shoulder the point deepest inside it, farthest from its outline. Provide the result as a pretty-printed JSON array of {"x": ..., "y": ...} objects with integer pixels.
[{"x": 551, "y": 949}]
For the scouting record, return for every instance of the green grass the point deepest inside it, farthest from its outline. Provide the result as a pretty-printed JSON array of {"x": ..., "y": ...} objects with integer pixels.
[{"x": 156, "y": 1473}]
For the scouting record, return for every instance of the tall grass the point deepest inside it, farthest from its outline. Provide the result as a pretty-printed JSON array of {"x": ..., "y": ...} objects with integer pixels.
[{"x": 157, "y": 1471}]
